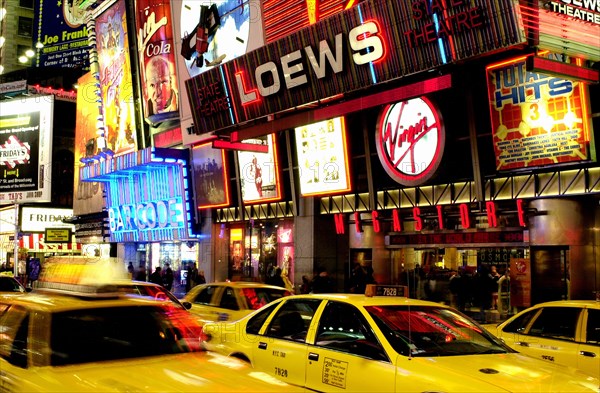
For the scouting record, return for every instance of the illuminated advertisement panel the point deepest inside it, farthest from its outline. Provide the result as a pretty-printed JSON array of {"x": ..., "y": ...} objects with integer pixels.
[
  {"x": 410, "y": 139},
  {"x": 156, "y": 54},
  {"x": 115, "y": 79},
  {"x": 259, "y": 172},
  {"x": 26, "y": 149},
  {"x": 285, "y": 17},
  {"x": 323, "y": 157},
  {"x": 208, "y": 33},
  {"x": 147, "y": 195},
  {"x": 210, "y": 176},
  {"x": 62, "y": 31},
  {"x": 569, "y": 27},
  {"x": 37, "y": 219},
  {"x": 87, "y": 196},
  {"x": 537, "y": 120},
  {"x": 371, "y": 43}
]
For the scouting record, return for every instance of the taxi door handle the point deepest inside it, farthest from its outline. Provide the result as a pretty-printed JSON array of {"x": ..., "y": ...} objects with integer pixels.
[
  {"x": 262, "y": 345},
  {"x": 588, "y": 354},
  {"x": 313, "y": 356},
  {"x": 522, "y": 343}
]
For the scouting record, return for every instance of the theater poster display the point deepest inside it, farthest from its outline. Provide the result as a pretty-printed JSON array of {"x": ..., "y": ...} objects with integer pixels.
[
  {"x": 537, "y": 120},
  {"x": 26, "y": 149},
  {"x": 115, "y": 79},
  {"x": 156, "y": 54},
  {"x": 87, "y": 196},
  {"x": 323, "y": 157},
  {"x": 210, "y": 176},
  {"x": 259, "y": 172},
  {"x": 207, "y": 34},
  {"x": 62, "y": 31}
]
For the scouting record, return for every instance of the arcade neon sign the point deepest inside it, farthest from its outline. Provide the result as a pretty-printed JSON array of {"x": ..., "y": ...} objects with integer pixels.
[{"x": 147, "y": 215}]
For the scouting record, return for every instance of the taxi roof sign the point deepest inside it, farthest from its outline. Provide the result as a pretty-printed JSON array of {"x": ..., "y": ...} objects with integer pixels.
[{"x": 386, "y": 290}]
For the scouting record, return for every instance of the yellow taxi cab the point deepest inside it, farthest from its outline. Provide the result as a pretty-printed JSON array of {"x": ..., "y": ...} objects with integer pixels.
[
  {"x": 562, "y": 332},
  {"x": 359, "y": 343},
  {"x": 230, "y": 300},
  {"x": 9, "y": 284},
  {"x": 66, "y": 336}
]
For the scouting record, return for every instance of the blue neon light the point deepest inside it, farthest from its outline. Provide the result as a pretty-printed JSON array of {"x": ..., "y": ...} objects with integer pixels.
[
  {"x": 371, "y": 67},
  {"x": 439, "y": 40},
  {"x": 226, "y": 90}
]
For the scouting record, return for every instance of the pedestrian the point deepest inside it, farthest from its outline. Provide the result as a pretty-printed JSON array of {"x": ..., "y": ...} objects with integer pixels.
[
  {"x": 305, "y": 287},
  {"x": 496, "y": 277},
  {"x": 276, "y": 280},
  {"x": 130, "y": 270},
  {"x": 322, "y": 283},
  {"x": 156, "y": 276},
  {"x": 168, "y": 277},
  {"x": 200, "y": 279}
]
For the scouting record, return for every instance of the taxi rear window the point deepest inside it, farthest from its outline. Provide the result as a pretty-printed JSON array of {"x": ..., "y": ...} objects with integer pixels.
[
  {"x": 113, "y": 333},
  {"x": 258, "y": 297}
]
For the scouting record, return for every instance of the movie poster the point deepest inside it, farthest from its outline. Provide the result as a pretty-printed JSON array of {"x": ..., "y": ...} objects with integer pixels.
[
  {"x": 115, "y": 79},
  {"x": 156, "y": 54},
  {"x": 259, "y": 172},
  {"x": 210, "y": 176}
]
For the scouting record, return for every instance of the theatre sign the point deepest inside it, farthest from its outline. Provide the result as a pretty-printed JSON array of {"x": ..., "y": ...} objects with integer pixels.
[{"x": 371, "y": 43}]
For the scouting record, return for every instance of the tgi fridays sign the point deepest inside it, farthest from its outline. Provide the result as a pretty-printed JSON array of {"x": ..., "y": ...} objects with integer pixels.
[
  {"x": 371, "y": 43},
  {"x": 410, "y": 141}
]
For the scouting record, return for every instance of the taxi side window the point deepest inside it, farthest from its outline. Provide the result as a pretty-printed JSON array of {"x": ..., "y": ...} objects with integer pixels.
[
  {"x": 519, "y": 325},
  {"x": 293, "y": 319},
  {"x": 556, "y": 322},
  {"x": 343, "y": 328},
  {"x": 593, "y": 327},
  {"x": 205, "y": 295},
  {"x": 255, "y": 323},
  {"x": 13, "y": 346},
  {"x": 228, "y": 300}
]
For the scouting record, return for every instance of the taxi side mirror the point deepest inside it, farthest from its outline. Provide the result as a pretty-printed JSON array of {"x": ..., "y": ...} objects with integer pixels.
[{"x": 187, "y": 305}]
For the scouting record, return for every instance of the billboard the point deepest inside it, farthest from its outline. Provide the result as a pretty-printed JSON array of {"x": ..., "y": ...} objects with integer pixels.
[
  {"x": 62, "y": 31},
  {"x": 26, "y": 149},
  {"x": 210, "y": 176},
  {"x": 87, "y": 196},
  {"x": 537, "y": 120},
  {"x": 375, "y": 42},
  {"x": 259, "y": 172},
  {"x": 116, "y": 85},
  {"x": 208, "y": 33},
  {"x": 156, "y": 54},
  {"x": 323, "y": 157}
]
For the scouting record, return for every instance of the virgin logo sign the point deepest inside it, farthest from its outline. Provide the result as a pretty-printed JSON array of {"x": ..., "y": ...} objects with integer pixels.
[{"x": 410, "y": 141}]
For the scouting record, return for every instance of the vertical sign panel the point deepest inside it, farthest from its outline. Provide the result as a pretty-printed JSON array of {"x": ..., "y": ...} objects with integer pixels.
[
  {"x": 259, "y": 172},
  {"x": 210, "y": 177}
]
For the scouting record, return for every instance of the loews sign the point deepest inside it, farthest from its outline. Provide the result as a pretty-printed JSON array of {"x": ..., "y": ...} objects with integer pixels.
[{"x": 371, "y": 43}]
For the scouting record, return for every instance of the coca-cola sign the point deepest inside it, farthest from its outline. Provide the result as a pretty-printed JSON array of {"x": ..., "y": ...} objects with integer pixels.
[{"x": 410, "y": 140}]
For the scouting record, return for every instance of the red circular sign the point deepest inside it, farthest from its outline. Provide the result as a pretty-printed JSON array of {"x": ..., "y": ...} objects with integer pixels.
[{"x": 410, "y": 141}]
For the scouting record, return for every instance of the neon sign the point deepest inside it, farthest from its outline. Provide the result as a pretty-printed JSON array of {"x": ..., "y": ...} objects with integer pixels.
[{"x": 147, "y": 215}]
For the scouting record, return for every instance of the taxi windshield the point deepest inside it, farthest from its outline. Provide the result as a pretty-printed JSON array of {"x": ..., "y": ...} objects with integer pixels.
[
  {"x": 258, "y": 297},
  {"x": 113, "y": 333},
  {"x": 433, "y": 331}
]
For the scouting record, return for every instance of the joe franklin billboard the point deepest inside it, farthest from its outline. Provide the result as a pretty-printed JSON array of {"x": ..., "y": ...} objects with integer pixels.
[{"x": 372, "y": 43}]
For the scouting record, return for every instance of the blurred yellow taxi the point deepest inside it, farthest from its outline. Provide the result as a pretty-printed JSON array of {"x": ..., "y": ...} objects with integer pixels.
[
  {"x": 67, "y": 336},
  {"x": 562, "y": 332},
  {"x": 230, "y": 301},
  {"x": 9, "y": 284},
  {"x": 358, "y": 343}
]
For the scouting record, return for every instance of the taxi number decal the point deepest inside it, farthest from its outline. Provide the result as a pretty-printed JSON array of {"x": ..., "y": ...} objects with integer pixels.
[
  {"x": 546, "y": 357},
  {"x": 279, "y": 354},
  {"x": 335, "y": 372},
  {"x": 389, "y": 292},
  {"x": 281, "y": 372}
]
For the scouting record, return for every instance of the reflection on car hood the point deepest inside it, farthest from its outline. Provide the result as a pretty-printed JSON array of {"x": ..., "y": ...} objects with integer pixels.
[
  {"x": 192, "y": 372},
  {"x": 508, "y": 372}
]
